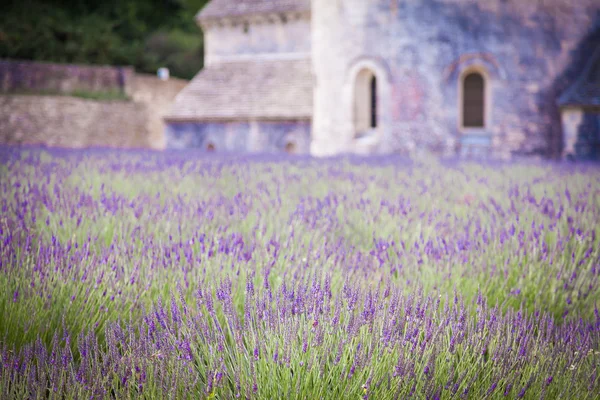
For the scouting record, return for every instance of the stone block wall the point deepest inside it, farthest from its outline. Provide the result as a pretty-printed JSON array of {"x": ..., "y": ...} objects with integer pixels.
[
  {"x": 65, "y": 121},
  {"x": 28, "y": 76},
  {"x": 530, "y": 51},
  {"x": 157, "y": 97},
  {"x": 252, "y": 136}
]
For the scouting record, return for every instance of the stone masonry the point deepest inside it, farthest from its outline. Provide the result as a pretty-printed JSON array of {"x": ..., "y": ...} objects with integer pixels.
[
  {"x": 256, "y": 90},
  {"x": 36, "y": 106},
  {"x": 407, "y": 62},
  {"x": 528, "y": 52},
  {"x": 64, "y": 121}
]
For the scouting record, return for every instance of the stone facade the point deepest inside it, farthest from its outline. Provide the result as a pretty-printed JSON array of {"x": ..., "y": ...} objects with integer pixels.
[
  {"x": 262, "y": 37},
  {"x": 36, "y": 106},
  {"x": 256, "y": 90},
  {"x": 389, "y": 76},
  {"x": 420, "y": 51},
  {"x": 156, "y": 96},
  {"x": 63, "y": 121},
  {"x": 255, "y": 136}
]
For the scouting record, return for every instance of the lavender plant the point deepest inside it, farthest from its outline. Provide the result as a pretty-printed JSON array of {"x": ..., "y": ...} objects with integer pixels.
[{"x": 174, "y": 275}]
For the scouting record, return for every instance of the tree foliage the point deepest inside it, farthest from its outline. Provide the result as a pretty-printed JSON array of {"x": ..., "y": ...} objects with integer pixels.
[{"x": 147, "y": 34}]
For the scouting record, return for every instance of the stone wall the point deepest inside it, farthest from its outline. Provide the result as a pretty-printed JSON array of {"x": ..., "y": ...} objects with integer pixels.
[
  {"x": 27, "y": 76},
  {"x": 530, "y": 51},
  {"x": 157, "y": 97},
  {"x": 57, "y": 120},
  {"x": 267, "y": 35},
  {"x": 64, "y": 121},
  {"x": 244, "y": 136}
]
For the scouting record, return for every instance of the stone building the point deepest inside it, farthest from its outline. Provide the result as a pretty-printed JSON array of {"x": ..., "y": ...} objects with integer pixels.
[{"x": 485, "y": 77}]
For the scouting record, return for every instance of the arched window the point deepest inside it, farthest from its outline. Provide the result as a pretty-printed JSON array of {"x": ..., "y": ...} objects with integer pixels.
[
  {"x": 473, "y": 107},
  {"x": 373, "y": 101},
  {"x": 210, "y": 147},
  {"x": 365, "y": 102}
]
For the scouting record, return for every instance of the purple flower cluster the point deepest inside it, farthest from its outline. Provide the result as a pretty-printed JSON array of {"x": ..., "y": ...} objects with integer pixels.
[
  {"x": 402, "y": 344},
  {"x": 135, "y": 274}
]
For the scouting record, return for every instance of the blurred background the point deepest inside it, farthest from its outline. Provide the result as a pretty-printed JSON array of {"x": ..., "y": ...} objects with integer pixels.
[
  {"x": 84, "y": 74},
  {"x": 487, "y": 78},
  {"x": 146, "y": 34}
]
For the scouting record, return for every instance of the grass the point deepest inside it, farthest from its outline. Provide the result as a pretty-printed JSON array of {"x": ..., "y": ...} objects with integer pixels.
[{"x": 215, "y": 277}]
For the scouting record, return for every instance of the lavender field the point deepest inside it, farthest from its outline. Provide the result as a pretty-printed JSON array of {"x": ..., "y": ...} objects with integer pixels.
[{"x": 180, "y": 275}]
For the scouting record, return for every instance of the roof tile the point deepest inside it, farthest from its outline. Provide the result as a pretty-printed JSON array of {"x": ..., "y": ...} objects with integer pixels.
[{"x": 269, "y": 89}]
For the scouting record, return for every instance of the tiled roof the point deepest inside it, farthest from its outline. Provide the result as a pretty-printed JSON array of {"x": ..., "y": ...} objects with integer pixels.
[
  {"x": 585, "y": 92},
  {"x": 236, "y": 8},
  {"x": 270, "y": 89}
]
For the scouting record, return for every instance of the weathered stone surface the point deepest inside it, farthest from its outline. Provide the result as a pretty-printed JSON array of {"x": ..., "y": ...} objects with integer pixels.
[
  {"x": 271, "y": 37},
  {"x": 74, "y": 122},
  {"x": 64, "y": 121},
  {"x": 157, "y": 96},
  {"x": 256, "y": 91},
  {"x": 256, "y": 136},
  {"x": 528, "y": 51}
]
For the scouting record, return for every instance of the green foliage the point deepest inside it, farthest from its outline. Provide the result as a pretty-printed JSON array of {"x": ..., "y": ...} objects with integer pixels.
[
  {"x": 104, "y": 95},
  {"x": 180, "y": 51},
  {"x": 147, "y": 34}
]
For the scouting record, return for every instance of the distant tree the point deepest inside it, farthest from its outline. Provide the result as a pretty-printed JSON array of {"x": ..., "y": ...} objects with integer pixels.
[{"x": 147, "y": 34}]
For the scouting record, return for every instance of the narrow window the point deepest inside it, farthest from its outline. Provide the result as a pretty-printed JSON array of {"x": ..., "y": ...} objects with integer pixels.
[
  {"x": 365, "y": 102},
  {"x": 373, "y": 102},
  {"x": 474, "y": 101}
]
